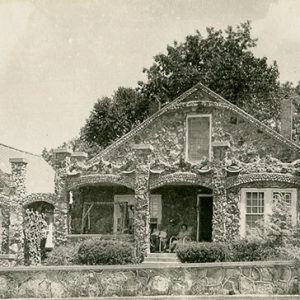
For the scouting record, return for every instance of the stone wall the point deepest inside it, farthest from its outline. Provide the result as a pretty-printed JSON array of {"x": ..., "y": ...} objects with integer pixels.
[
  {"x": 131, "y": 280},
  {"x": 4, "y": 226}
]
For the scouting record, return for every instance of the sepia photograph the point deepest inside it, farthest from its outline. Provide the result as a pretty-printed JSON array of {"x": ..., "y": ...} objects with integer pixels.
[{"x": 150, "y": 149}]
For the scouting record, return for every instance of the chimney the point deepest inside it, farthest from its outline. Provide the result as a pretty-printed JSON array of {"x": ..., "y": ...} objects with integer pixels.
[
  {"x": 61, "y": 165},
  {"x": 18, "y": 171},
  {"x": 286, "y": 118}
]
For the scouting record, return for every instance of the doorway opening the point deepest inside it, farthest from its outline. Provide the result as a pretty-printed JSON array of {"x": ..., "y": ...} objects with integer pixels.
[{"x": 204, "y": 217}]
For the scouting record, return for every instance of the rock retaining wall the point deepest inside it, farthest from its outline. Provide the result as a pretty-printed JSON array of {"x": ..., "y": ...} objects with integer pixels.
[{"x": 145, "y": 280}]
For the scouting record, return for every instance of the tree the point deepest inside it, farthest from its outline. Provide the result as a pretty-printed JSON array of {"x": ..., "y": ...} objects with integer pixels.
[
  {"x": 223, "y": 62},
  {"x": 113, "y": 117}
]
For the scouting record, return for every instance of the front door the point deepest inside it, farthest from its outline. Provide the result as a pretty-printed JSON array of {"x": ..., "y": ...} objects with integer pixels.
[{"x": 204, "y": 218}]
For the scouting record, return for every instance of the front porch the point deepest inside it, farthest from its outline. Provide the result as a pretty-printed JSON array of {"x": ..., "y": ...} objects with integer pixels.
[{"x": 108, "y": 211}]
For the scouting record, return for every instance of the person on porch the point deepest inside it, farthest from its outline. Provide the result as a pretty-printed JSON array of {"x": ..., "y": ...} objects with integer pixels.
[
  {"x": 158, "y": 239},
  {"x": 183, "y": 234}
]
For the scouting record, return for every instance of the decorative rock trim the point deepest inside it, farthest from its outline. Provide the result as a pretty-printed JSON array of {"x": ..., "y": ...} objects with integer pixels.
[
  {"x": 180, "y": 177},
  {"x": 142, "y": 147},
  {"x": 99, "y": 178},
  {"x": 18, "y": 160},
  {"x": 247, "y": 178},
  {"x": 37, "y": 197},
  {"x": 63, "y": 151},
  {"x": 225, "y": 144},
  {"x": 79, "y": 155}
]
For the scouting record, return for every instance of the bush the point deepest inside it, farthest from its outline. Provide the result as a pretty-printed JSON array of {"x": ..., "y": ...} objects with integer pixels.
[
  {"x": 241, "y": 250},
  {"x": 201, "y": 252},
  {"x": 244, "y": 250},
  {"x": 102, "y": 252},
  {"x": 63, "y": 255}
]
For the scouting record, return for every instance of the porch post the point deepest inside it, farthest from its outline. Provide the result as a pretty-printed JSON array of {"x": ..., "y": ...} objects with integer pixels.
[
  {"x": 142, "y": 200},
  {"x": 219, "y": 191},
  {"x": 16, "y": 234},
  {"x": 62, "y": 162}
]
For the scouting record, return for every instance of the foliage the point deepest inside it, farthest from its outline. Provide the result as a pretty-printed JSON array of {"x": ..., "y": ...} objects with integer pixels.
[
  {"x": 201, "y": 252},
  {"x": 278, "y": 228},
  {"x": 245, "y": 250},
  {"x": 113, "y": 117},
  {"x": 239, "y": 250},
  {"x": 279, "y": 232},
  {"x": 223, "y": 61},
  {"x": 35, "y": 228},
  {"x": 63, "y": 255},
  {"x": 102, "y": 252}
]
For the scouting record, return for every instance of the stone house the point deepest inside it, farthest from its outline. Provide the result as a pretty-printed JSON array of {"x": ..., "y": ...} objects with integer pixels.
[{"x": 199, "y": 160}]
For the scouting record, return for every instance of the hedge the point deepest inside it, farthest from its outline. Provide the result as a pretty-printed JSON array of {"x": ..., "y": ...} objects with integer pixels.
[
  {"x": 105, "y": 252},
  {"x": 241, "y": 250}
]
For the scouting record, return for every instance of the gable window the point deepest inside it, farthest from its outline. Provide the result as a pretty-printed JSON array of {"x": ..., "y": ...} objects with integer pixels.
[
  {"x": 198, "y": 137},
  {"x": 256, "y": 205}
]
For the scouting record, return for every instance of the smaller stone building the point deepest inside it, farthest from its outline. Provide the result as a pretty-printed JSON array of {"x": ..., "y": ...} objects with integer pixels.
[{"x": 26, "y": 181}]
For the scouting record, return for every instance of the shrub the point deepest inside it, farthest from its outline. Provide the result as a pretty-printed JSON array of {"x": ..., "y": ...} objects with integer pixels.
[
  {"x": 63, "y": 255},
  {"x": 244, "y": 250},
  {"x": 201, "y": 252},
  {"x": 241, "y": 250},
  {"x": 102, "y": 252}
]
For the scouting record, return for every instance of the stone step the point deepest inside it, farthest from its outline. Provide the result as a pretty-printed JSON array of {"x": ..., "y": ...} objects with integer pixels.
[
  {"x": 159, "y": 255},
  {"x": 161, "y": 258}
]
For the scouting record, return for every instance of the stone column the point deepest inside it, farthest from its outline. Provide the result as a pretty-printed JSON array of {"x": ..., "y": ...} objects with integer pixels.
[
  {"x": 142, "y": 200},
  {"x": 78, "y": 160},
  {"x": 219, "y": 191},
  {"x": 61, "y": 165},
  {"x": 16, "y": 234}
]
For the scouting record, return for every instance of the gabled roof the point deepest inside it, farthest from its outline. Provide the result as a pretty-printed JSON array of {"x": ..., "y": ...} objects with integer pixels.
[
  {"x": 39, "y": 176},
  {"x": 198, "y": 87}
]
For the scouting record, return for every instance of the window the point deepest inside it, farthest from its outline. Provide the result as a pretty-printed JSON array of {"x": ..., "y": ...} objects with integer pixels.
[
  {"x": 254, "y": 208},
  {"x": 198, "y": 136},
  {"x": 257, "y": 204},
  {"x": 285, "y": 196}
]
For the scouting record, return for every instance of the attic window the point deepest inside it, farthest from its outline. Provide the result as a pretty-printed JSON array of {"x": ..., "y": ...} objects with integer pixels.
[{"x": 198, "y": 137}]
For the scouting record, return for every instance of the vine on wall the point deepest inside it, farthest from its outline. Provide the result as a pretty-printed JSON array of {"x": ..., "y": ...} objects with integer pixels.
[{"x": 35, "y": 228}]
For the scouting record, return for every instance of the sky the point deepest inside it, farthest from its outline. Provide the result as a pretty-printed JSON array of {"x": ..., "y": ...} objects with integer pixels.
[{"x": 58, "y": 57}]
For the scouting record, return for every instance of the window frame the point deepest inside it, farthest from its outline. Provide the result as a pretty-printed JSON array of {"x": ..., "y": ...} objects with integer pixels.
[
  {"x": 188, "y": 116},
  {"x": 130, "y": 198},
  {"x": 268, "y": 204}
]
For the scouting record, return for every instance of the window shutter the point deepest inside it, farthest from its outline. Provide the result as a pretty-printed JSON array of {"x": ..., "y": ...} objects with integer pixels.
[
  {"x": 198, "y": 138},
  {"x": 155, "y": 207}
]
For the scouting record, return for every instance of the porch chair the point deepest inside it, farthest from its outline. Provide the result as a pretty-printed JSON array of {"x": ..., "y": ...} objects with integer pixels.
[{"x": 186, "y": 239}]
